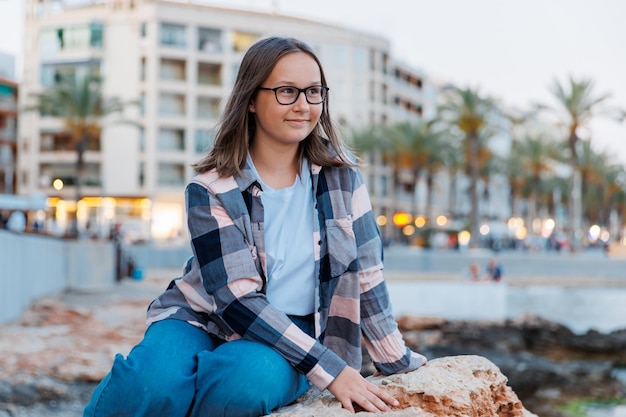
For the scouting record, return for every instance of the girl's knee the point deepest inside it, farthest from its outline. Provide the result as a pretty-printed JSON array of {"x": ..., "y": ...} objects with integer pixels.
[
  {"x": 243, "y": 378},
  {"x": 130, "y": 386},
  {"x": 145, "y": 381}
]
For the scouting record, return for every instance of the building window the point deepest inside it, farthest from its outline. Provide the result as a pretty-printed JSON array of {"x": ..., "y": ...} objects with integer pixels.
[
  {"x": 243, "y": 41},
  {"x": 171, "y": 174},
  {"x": 208, "y": 108},
  {"x": 64, "y": 142},
  {"x": 142, "y": 139},
  {"x": 142, "y": 174},
  {"x": 172, "y": 104},
  {"x": 96, "y": 35},
  {"x": 52, "y": 73},
  {"x": 209, "y": 74},
  {"x": 204, "y": 140},
  {"x": 67, "y": 173},
  {"x": 341, "y": 55},
  {"x": 209, "y": 40},
  {"x": 55, "y": 142},
  {"x": 371, "y": 180},
  {"x": 384, "y": 186},
  {"x": 71, "y": 38},
  {"x": 142, "y": 69},
  {"x": 172, "y": 69},
  {"x": 372, "y": 56},
  {"x": 359, "y": 58},
  {"x": 143, "y": 30},
  {"x": 234, "y": 70},
  {"x": 173, "y": 35},
  {"x": 171, "y": 139},
  {"x": 142, "y": 104}
]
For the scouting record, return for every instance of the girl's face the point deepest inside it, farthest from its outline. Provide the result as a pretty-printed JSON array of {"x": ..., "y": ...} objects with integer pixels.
[{"x": 278, "y": 125}]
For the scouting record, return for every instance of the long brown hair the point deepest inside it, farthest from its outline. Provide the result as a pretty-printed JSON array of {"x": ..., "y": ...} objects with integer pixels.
[{"x": 237, "y": 127}]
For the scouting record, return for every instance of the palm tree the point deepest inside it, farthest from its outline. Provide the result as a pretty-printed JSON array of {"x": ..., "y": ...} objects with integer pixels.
[
  {"x": 537, "y": 154},
  {"x": 488, "y": 164},
  {"x": 412, "y": 144},
  {"x": 577, "y": 103},
  {"x": 467, "y": 110},
  {"x": 601, "y": 184},
  {"x": 453, "y": 162},
  {"x": 441, "y": 148},
  {"x": 80, "y": 103}
]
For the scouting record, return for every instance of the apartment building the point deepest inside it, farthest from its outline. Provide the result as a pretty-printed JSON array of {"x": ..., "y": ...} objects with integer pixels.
[
  {"x": 178, "y": 60},
  {"x": 8, "y": 133}
]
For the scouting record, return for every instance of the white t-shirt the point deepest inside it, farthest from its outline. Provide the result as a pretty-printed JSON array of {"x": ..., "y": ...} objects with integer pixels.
[{"x": 288, "y": 218}]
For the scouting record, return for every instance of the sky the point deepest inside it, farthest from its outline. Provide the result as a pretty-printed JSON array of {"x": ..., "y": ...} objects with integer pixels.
[{"x": 510, "y": 50}]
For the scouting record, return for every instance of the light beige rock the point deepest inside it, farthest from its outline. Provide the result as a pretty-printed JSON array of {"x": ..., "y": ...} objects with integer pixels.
[{"x": 458, "y": 386}]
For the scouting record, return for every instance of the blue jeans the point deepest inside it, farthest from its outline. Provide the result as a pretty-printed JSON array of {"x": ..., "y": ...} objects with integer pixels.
[{"x": 178, "y": 370}]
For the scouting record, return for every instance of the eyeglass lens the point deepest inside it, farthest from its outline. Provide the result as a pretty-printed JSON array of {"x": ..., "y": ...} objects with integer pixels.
[{"x": 289, "y": 95}]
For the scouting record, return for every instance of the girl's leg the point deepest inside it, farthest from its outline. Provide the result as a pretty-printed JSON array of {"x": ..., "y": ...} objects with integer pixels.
[
  {"x": 158, "y": 376},
  {"x": 246, "y": 379}
]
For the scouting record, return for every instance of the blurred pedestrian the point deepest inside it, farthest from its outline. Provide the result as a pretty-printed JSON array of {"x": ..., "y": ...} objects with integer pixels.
[
  {"x": 494, "y": 271},
  {"x": 473, "y": 272},
  {"x": 17, "y": 222}
]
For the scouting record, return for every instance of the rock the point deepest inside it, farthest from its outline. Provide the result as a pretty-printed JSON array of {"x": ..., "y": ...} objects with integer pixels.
[
  {"x": 410, "y": 322},
  {"x": 450, "y": 386}
]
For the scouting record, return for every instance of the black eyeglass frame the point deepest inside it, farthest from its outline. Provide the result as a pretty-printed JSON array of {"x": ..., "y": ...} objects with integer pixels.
[{"x": 300, "y": 90}]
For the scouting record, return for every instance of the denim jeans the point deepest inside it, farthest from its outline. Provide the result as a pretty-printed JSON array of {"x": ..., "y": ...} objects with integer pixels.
[{"x": 178, "y": 370}]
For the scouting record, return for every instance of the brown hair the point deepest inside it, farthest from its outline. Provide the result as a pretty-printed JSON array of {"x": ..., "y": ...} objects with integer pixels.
[{"x": 237, "y": 127}]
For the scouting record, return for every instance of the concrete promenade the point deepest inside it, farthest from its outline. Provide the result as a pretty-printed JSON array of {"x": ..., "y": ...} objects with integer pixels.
[{"x": 586, "y": 268}]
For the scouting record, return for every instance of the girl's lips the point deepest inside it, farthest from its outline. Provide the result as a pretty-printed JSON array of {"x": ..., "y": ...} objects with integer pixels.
[{"x": 297, "y": 122}]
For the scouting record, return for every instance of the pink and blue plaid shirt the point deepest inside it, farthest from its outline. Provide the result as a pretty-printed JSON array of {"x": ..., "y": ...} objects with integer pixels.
[{"x": 222, "y": 289}]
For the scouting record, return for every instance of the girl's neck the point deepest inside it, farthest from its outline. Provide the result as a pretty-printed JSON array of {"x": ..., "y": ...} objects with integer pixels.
[{"x": 277, "y": 169}]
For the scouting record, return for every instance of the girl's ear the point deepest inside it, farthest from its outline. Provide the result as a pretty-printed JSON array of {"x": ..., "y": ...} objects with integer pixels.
[{"x": 251, "y": 107}]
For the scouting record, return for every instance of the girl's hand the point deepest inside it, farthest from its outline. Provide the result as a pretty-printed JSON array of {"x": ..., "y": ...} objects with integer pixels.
[{"x": 350, "y": 387}]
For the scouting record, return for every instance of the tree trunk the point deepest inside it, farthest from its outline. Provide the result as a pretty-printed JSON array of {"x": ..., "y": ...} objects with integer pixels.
[
  {"x": 429, "y": 196},
  {"x": 474, "y": 176},
  {"x": 81, "y": 147},
  {"x": 575, "y": 211},
  {"x": 415, "y": 200}
]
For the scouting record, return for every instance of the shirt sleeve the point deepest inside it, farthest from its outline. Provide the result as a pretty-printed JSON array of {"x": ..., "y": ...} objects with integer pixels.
[
  {"x": 226, "y": 259},
  {"x": 383, "y": 340}
]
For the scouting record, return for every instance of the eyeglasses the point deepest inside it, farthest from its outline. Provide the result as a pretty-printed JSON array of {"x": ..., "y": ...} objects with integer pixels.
[{"x": 286, "y": 95}]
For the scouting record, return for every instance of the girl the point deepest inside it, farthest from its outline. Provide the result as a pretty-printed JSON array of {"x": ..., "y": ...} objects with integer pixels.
[{"x": 286, "y": 275}]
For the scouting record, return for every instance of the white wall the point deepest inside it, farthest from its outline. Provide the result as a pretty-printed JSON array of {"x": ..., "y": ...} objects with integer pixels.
[
  {"x": 448, "y": 299},
  {"x": 34, "y": 266}
]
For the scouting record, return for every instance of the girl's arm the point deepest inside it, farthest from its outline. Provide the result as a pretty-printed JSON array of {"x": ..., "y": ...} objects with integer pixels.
[{"x": 383, "y": 340}]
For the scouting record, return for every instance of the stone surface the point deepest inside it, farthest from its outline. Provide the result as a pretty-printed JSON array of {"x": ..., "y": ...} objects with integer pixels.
[{"x": 451, "y": 386}]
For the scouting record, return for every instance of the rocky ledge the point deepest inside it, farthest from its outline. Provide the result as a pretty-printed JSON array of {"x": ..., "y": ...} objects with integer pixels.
[{"x": 450, "y": 386}]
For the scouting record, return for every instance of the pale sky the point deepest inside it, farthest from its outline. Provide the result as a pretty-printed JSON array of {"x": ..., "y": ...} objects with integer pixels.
[{"x": 510, "y": 50}]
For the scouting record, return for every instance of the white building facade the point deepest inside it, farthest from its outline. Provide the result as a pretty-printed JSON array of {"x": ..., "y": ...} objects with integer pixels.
[{"x": 178, "y": 60}]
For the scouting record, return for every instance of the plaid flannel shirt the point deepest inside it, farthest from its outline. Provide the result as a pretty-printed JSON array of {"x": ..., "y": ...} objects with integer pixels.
[{"x": 222, "y": 289}]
